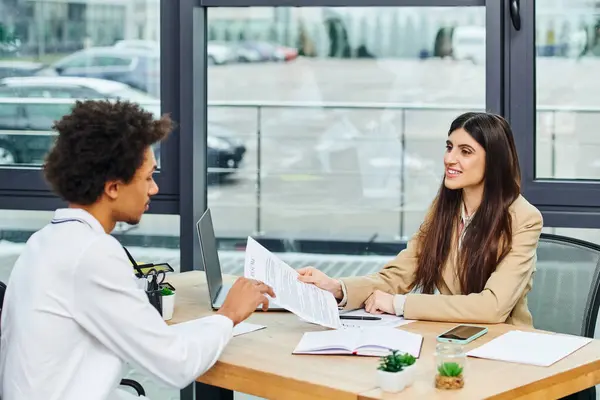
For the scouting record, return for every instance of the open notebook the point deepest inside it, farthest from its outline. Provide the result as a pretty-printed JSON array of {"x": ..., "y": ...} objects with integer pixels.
[{"x": 363, "y": 342}]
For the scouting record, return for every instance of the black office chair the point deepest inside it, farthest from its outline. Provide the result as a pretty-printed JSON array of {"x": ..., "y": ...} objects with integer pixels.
[
  {"x": 565, "y": 296},
  {"x": 124, "y": 382}
]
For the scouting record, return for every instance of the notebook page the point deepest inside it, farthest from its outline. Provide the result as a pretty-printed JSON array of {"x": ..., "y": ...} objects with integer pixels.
[
  {"x": 533, "y": 348},
  {"x": 391, "y": 339},
  {"x": 328, "y": 340}
]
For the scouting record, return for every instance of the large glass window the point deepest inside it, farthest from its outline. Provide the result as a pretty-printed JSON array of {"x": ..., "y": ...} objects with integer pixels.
[
  {"x": 331, "y": 122},
  {"x": 52, "y": 53},
  {"x": 568, "y": 105}
]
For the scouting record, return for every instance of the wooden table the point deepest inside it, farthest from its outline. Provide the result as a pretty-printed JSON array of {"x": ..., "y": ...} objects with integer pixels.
[{"x": 261, "y": 363}]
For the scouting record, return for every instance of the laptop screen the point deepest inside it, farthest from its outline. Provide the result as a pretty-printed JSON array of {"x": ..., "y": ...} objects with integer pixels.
[{"x": 210, "y": 255}]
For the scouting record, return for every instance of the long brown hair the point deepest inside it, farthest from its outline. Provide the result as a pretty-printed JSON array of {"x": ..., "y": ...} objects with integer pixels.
[{"x": 488, "y": 237}]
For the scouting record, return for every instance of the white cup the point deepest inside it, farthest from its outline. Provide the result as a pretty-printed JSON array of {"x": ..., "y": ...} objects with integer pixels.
[{"x": 168, "y": 305}]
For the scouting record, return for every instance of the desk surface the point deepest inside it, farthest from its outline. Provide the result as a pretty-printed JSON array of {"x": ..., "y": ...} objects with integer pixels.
[{"x": 261, "y": 363}]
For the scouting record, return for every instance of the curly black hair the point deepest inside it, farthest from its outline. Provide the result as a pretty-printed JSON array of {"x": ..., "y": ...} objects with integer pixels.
[{"x": 98, "y": 141}]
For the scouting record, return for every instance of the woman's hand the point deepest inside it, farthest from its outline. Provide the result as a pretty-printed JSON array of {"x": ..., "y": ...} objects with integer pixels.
[
  {"x": 380, "y": 302},
  {"x": 321, "y": 280}
]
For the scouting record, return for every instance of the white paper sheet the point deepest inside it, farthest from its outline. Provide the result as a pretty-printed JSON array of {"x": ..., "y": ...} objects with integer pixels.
[
  {"x": 386, "y": 320},
  {"x": 246, "y": 327},
  {"x": 305, "y": 300},
  {"x": 239, "y": 329},
  {"x": 534, "y": 348}
]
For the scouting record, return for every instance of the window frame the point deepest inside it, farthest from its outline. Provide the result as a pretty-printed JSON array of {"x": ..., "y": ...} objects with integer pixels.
[
  {"x": 494, "y": 69},
  {"x": 563, "y": 202},
  {"x": 26, "y": 188}
]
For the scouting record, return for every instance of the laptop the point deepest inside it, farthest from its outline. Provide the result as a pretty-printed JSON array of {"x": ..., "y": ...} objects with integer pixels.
[{"x": 217, "y": 290}]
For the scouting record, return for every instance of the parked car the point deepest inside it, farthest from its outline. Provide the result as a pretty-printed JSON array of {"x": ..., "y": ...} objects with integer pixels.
[
  {"x": 71, "y": 88},
  {"x": 136, "y": 67},
  {"x": 32, "y": 104},
  {"x": 224, "y": 151},
  {"x": 245, "y": 54},
  {"x": 19, "y": 68},
  {"x": 265, "y": 51},
  {"x": 289, "y": 53},
  {"x": 218, "y": 53},
  {"x": 149, "y": 45},
  {"x": 468, "y": 43}
]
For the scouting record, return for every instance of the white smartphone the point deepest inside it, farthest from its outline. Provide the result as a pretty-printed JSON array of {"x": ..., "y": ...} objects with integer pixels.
[{"x": 462, "y": 334}]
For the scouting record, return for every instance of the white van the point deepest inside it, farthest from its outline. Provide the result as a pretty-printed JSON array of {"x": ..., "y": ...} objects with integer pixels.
[{"x": 468, "y": 43}]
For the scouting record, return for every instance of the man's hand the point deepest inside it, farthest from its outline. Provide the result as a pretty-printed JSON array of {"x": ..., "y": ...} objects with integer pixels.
[
  {"x": 380, "y": 302},
  {"x": 321, "y": 280},
  {"x": 243, "y": 298}
]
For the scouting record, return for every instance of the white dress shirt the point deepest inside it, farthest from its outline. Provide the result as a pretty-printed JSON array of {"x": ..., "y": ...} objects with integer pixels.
[
  {"x": 73, "y": 317},
  {"x": 400, "y": 299}
]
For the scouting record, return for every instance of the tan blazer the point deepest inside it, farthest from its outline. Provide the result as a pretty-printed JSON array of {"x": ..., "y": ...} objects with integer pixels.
[{"x": 502, "y": 300}]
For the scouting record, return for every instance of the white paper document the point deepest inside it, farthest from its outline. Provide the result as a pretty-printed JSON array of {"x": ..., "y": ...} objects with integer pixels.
[
  {"x": 246, "y": 327},
  {"x": 305, "y": 300},
  {"x": 387, "y": 320},
  {"x": 239, "y": 329},
  {"x": 533, "y": 348},
  {"x": 363, "y": 342}
]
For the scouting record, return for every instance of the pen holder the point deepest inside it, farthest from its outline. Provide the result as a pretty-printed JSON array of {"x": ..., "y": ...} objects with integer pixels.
[{"x": 155, "y": 298}]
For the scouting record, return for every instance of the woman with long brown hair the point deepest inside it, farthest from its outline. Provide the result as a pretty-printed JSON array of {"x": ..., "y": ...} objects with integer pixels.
[{"x": 473, "y": 258}]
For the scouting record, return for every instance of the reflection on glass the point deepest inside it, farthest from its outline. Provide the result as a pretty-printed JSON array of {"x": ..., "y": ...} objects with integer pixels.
[
  {"x": 568, "y": 105},
  {"x": 52, "y": 53},
  {"x": 330, "y": 122}
]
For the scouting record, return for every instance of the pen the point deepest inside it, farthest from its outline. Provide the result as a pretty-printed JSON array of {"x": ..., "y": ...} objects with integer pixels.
[{"x": 360, "y": 317}]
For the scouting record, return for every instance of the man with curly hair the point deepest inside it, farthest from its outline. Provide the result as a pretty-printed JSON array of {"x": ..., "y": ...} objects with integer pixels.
[{"x": 73, "y": 313}]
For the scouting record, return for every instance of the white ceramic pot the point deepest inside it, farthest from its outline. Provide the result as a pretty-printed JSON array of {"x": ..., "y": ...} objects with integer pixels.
[
  {"x": 394, "y": 382},
  {"x": 168, "y": 305}
]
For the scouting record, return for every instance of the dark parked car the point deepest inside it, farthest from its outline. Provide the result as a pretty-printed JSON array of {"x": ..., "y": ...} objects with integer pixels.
[
  {"x": 25, "y": 135},
  {"x": 32, "y": 104},
  {"x": 138, "y": 68},
  {"x": 224, "y": 151}
]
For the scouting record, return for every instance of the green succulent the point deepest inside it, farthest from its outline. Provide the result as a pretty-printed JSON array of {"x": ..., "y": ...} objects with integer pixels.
[
  {"x": 395, "y": 362},
  {"x": 450, "y": 369},
  {"x": 165, "y": 291}
]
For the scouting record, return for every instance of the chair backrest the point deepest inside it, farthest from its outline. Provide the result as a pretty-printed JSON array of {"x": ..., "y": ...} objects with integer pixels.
[
  {"x": 2, "y": 292},
  {"x": 566, "y": 288}
]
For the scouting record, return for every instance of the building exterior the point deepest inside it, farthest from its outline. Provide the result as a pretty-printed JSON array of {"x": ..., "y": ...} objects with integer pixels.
[{"x": 63, "y": 26}]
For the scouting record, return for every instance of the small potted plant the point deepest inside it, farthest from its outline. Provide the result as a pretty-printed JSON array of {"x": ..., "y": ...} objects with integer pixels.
[
  {"x": 449, "y": 376},
  {"x": 168, "y": 302},
  {"x": 394, "y": 372}
]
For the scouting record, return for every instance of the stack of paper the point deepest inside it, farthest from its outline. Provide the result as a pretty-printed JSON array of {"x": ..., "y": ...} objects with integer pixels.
[
  {"x": 305, "y": 300},
  {"x": 530, "y": 348},
  {"x": 363, "y": 342}
]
